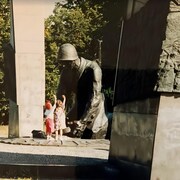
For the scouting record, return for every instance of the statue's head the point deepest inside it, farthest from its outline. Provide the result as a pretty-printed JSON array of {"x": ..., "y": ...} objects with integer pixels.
[
  {"x": 67, "y": 52},
  {"x": 68, "y": 56}
]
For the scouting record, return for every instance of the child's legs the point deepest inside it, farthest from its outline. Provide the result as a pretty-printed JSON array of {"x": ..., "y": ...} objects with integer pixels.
[
  {"x": 61, "y": 133},
  {"x": 48, "y": 130},
  {"x": 56, "y": 134},
  {"x": 49, "y": 127},
  {"x": 56, "y": 131}
]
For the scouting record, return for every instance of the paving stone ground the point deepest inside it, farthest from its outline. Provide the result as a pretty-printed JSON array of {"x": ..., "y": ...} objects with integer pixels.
[
  {"x": 33, "y": 151},
  {"x": 48, "y": 159}
]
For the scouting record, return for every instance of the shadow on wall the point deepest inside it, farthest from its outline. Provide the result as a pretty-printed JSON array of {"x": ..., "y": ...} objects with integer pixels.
[
  {"x": 10, "y": 75},
  {"x": 142, "y": 39}
]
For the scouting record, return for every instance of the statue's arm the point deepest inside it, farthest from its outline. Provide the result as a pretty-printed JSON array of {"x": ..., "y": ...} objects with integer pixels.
[
  {"x": 91, "y": 108},
  {"x": 61, "y": 86}
]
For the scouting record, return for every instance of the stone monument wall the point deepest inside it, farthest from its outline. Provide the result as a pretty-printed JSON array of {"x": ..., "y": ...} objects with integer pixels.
[
  {"x": 27, "y": 40},
  {"x": 166, "y": 153},
  {"x": 136, "y": 98}
]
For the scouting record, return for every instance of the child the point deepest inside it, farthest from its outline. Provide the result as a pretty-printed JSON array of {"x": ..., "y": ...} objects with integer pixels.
[
  {"x": 49, "y": 118},
  {"x": 59, "y": 118}
]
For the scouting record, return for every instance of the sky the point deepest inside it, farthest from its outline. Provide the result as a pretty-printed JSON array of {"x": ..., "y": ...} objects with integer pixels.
[{"x": 49, "y": 6}]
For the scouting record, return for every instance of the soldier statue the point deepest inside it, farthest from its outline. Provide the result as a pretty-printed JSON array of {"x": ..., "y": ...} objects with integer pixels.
[{"x": 80, "y": 82}]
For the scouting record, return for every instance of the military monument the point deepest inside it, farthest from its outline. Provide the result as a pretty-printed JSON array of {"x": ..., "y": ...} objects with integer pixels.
[{"x": 145, "y": 139}]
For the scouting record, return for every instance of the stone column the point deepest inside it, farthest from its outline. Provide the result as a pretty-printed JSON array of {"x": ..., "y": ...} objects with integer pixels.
[
  {"x": 166, "y": 154},
  {"x": 27, "y": 44}
]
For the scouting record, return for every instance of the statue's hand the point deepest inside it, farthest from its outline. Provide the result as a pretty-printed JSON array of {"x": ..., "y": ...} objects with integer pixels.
[{"x": 80, "y": 127}]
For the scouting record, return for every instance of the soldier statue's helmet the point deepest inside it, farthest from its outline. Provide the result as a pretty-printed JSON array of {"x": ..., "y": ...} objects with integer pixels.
[{"x": 67, "y": 52}]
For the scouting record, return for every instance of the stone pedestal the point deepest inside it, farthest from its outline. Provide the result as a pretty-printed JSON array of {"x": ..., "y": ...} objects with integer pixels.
[
  {"x": 27, "y": 40},
  {"x": 166, "y": 154},
  {"x": 132, "y": 137}
]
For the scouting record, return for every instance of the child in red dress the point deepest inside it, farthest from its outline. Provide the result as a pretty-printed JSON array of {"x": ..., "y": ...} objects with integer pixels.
[{"x": 49, "y": 118}]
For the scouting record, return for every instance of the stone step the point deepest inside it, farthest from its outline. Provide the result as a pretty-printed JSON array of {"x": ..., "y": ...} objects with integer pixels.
[{"x": 101, "y": 171}]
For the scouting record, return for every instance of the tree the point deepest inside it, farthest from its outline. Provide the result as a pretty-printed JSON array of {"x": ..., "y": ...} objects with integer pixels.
[
  {"x": 5, "y": 37},
  {"x": 77, "y": 22}
]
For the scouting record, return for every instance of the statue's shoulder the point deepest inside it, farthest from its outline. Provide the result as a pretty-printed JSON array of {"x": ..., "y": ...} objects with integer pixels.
[{"x": 89, "y": 63}]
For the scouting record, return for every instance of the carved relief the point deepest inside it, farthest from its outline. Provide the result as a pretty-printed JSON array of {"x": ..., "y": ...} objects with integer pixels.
[
  {"x": 166, "y": 76},
  {"x": 177, "y": 78},
  {"x": 169, "y": 68},
  {"x": 176, "y": 2}
]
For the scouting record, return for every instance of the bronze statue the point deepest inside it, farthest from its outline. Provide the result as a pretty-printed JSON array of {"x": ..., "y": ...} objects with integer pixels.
[{"x": 80, "y": 82}]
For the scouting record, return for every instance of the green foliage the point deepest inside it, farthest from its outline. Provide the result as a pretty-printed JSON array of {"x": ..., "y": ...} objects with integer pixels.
[
  {"x": 4, "y": 38},
  {"x": 108, "y": 92},
  {"x": 77, "y": 22}
]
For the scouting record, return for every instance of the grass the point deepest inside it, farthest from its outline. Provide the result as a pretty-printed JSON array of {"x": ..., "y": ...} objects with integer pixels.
[{"x": 3, "y": 131}]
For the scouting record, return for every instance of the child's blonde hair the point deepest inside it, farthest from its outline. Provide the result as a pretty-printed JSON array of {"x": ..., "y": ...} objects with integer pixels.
[{"x": 59, "y": 103}]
